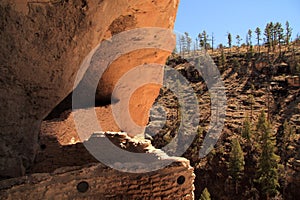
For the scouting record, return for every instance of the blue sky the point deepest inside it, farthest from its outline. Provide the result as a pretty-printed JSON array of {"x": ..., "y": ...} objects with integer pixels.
[{"x": 234, "y": 16}]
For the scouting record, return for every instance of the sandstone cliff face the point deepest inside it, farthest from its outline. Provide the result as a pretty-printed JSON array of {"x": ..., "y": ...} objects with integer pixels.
[{"x": 42, "y": 46}]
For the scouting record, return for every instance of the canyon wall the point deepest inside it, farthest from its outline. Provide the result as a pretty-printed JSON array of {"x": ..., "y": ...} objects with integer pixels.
[{"x": 43, "y": 43}]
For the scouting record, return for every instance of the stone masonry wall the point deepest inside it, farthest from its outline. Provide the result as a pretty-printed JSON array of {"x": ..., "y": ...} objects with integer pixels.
[
  {"x": 70, "y": 172},
  {"x": 98, "y": 182}
]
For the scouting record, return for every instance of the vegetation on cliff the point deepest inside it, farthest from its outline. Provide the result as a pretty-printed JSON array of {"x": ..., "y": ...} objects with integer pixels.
[{"x": 256, "y": 156}]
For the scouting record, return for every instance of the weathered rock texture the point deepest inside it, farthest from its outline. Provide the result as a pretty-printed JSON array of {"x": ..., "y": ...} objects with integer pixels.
[
  {"x": 64, "y": 130},
  {"x": 42, "y": 46},
  {"x": 54, "y": 177},
  {"x": 104, "y": 183}
]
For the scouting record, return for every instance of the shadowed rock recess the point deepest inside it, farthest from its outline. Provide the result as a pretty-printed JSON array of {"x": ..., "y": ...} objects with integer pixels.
[{"x": 43, "y": 43}]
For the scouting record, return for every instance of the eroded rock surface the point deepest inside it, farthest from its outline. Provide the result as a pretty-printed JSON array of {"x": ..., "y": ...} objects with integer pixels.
[
  {"x": 110, "y": 184},
  {"x": 70, "y": 177},
  {"x": 43, "y": 44}
]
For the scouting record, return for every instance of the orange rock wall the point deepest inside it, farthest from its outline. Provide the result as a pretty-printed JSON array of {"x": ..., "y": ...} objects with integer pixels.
[{"x": 43, "y": 44}]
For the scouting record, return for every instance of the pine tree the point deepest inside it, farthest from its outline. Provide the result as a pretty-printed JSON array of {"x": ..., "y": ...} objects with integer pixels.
[
  {"x": 288, "y": 135},
  {"x": 268, "y": 35},
  {"x": 249, "y": 43},
  {"x": 205, "y": 195},
  {"x": 200, "y": 38},
  {"x": 180, "y": 45},
  {"x": 183, "y": 45},
  {"x": 238, "y": 40},
  {"x": 280, "y": 35},
  {"x": 250, "y": 36},
  {"x": 236, "y": 162},
  {"x": 197, "y": 44},
  {"x": 267, "y": 173},
  {"x": 261, "y": 121},
  {"x": 222, "y": 58},
  {"x": 288, "y": 33},
  {"x": 188, "y": 40},
  {"x": 274, "y": 35},
  {"x": 246, "y": 131},
  {"x": 212, "y": 42},
  {"x": 258, "y": 32},
  {"x": 277, "y": 33},
  {"x": 203, "y": 38},
  {"x": 271, "y": 28},
  {"x": 229, "y": 40}
]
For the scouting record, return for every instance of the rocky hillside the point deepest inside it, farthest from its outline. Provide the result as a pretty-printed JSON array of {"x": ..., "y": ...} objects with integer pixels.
[{"x": 254, "y": 82}]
